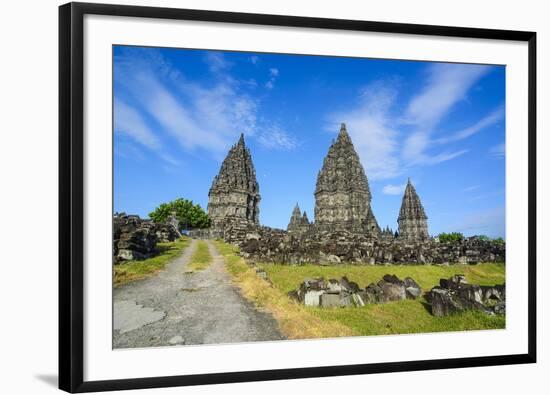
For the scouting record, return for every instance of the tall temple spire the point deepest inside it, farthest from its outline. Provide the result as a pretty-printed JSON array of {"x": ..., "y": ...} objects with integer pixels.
[
  {"x": 412, "y": 220},
  {"x": 342, "y": 193},
  {"x": 235, "y": 192}
]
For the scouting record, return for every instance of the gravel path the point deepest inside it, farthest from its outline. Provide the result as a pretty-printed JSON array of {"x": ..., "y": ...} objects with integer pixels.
[{"x": 179, "y": 307}]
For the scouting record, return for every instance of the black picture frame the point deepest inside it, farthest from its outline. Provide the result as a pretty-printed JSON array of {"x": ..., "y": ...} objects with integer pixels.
[{"x": 71, "y": 204}]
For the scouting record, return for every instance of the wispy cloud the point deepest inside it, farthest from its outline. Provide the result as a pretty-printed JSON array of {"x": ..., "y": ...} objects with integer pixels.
[
  {"x": 498, "y": 151},
  {"x": 471, "y": 188},
  {"x": 446, "y": 84},
  {"x": 217, "y": 62},
  {"x": 388, "y": 144},
  {"x": 254, "y": 59},
  {"x": 370, "y": 124},
  {"x": 129, "y": 122},
  {"x": 197, "y": 117},
  {"x": 274, "y": 137},
  {"x": 490, "y": 119},
  {"x": 391, "y": 189},
  {"x": 207, "y": 117},
  {"x": 273, "y": 74}
]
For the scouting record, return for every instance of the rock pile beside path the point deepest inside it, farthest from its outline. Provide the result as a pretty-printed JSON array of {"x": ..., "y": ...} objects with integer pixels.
[{"x": 136, "y": 239}]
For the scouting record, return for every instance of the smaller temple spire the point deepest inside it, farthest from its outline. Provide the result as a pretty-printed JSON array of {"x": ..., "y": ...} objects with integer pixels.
[
  {"x": 305, "y": 219},
  {"x": 412, "y": 220},
  {"x": 298, "y": 221}
]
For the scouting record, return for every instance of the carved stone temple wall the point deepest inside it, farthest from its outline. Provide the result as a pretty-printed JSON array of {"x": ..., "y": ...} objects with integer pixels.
[
  {"x": 412, "y": 220},
  {"x": 235, "y": 194},
  {"x": 342, "y": 193}
]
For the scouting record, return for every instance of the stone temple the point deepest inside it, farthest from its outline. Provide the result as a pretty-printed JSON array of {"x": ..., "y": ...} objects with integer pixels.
[
  {"x": 412, "y": 220},
  {"x": 235, "y": 193},
  {"x": 342, "y": 194},
  {"x": 342, "y": 199}
]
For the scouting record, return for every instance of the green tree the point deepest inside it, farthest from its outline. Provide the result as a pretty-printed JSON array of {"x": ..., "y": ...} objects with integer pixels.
[
  {"x": 189, "y": 215},
  {"x": 450, "y": 237}
]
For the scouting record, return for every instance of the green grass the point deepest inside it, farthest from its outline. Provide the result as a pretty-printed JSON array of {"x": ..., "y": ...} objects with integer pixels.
[
  {"x": 287, "y": 277},
  {"x": 408, "y": 316},
  {"x": 201, "y": 258},
  {"x": 137, "y": 270}
]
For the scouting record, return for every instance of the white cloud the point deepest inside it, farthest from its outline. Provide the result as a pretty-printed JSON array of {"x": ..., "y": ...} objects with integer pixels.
[
  {"x": 490, "y": 119},
  {"x": 498, "y": 151},
  {"x": 443, "y": 157},
  {"x": 391, "y": 189},
  {"x": 196, "y": 116},
  {"x": 388, "y": 144},
  {"x": 217, "y": 62},
  {"x": 447, "y": 84},
  {"x": 370, "y": 125},
  {"x": 275, "y": 138},
  {"x": 274, "y": 73},
  {"x": 254, "y": 59},
  {"x": 471, "y": 188},
  {"x": 129, "y": 122}
]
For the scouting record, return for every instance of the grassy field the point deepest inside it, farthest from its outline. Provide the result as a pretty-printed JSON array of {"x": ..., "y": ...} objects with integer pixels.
[
  {"x": 201, "y": 257},
  {"x": 137, "y": 270},
  {"x": 408, "y": 316}
]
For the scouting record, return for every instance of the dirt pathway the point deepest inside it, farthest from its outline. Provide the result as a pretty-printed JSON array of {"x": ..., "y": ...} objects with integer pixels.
[{"x": 179, "y": 307}]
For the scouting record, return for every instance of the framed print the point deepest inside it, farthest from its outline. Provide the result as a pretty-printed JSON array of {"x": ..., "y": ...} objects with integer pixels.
[{"x": 249, "y": 197}]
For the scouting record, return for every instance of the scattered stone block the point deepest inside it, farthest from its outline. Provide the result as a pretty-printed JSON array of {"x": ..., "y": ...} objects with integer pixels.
[{"x": 455, "y": 295}]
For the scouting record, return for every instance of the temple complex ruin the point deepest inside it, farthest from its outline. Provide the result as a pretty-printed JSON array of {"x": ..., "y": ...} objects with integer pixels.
[
  {"x": 342, "y": 197},
  {"x": 344, "y": 228}
]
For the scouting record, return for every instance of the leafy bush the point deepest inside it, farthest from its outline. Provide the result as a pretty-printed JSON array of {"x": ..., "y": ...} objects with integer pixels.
[
  {"x": 190, "y": 215},
  {"x": 450, "y": 237}
]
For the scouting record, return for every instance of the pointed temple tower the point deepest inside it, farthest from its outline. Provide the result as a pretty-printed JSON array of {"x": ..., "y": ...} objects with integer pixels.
[
  {"x": 235, "y": 193},
  {"x": 412, "y": 220},
  {"x": 342, "y": 194},
  {"x": 295, "y": 219},
  {"x": 298, "y": 221}
]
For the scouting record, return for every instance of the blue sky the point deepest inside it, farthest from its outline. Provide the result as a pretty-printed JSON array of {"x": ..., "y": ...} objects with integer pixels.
[{"x": 178, "y": 111}]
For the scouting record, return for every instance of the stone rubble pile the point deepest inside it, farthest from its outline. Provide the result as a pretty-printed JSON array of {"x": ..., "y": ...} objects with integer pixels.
[
  {"x": 342, "y": 293},
  {"x": 263, "y": 244},
  {"x": 136, "y": 239},
  {"x": 456, "y": 294}
]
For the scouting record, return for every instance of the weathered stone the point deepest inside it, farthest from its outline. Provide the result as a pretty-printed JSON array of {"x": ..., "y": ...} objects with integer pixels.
[
  {"x": 133, "y": 238},
  {"x": 391, "y": 292},
  {"x": 442, "y": 303},
  {"x": 312, "y": 297},
  {"x": 455, "y": 295},
  {"x": 330, "y": 300}
]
